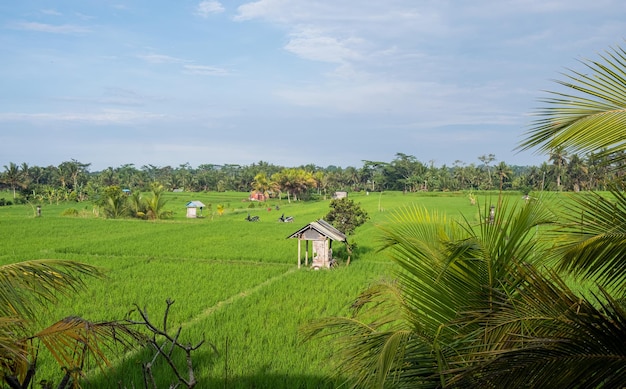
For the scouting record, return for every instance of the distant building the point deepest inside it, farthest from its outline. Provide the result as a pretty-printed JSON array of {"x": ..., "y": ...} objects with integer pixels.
[
  {"x": 192, "y": 209},
  {"x": 256, "y": 195},
  {"x": 340, "y": 195}
]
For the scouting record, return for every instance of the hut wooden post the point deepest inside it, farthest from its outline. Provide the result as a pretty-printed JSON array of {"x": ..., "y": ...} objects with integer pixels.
[
  {"x": 306, "y": 254},
  {"x": 299, "y": 240}
]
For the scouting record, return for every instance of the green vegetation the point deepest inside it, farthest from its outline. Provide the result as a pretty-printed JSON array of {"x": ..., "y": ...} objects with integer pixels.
[
  {"x": 346, "y": 215},
  {"x": 234, "y": 283},
  {"x": 512, "y": 292},
  {"x": 528, "y": 296}
]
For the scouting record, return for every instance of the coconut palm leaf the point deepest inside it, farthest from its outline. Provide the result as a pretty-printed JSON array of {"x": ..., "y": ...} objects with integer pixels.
[
  {"x": 592, "y": 238},
  {"x": 377, "y": 347},
  {"x": 13, "y": 352},
  {"x": 75, "y": 342},
  {"x": 591, "y": 117},
  {"x": 429, "y": 326},
  {"x": 28, "y": 284},
  {"x": 556, "y": 339}
]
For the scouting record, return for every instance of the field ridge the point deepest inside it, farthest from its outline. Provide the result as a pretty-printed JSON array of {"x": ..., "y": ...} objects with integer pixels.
[{"x": 237, "y": 296}]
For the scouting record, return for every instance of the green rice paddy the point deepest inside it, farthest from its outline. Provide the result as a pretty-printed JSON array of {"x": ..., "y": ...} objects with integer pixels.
[{"x": 234, "y": 283}]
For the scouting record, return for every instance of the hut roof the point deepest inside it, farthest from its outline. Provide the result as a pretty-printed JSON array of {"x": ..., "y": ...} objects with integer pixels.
[
  {"x": 320, "y": 227},
  {"x": 195, "y": 204}
]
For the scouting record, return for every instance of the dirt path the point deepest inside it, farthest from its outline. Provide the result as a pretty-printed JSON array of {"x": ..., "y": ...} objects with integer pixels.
[{"x": 240, "y": 295}]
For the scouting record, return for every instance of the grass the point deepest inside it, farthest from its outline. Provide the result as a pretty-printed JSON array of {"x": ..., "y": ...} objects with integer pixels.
[{"x": 235, "y": 283}]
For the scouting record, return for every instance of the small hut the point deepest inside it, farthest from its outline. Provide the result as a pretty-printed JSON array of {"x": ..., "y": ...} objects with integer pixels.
[
  {"x": 322, "y": 234},
  {"x": 256, "y": 195},
  {"x": 340, "y": 195},
  {"x": 192, "y": 209}
]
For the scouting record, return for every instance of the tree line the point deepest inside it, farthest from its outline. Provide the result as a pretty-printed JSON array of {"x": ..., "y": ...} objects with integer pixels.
[{"x": 73, "y": 181}]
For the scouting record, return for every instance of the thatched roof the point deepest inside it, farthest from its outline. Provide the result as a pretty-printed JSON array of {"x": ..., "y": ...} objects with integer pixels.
[{"x": 317, "y": 229}]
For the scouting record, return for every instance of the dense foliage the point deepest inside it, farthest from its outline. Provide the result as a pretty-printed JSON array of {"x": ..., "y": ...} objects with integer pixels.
[
  {"x": 528, "y": 296},
  {"x": 346, "y": 215},
  {"x": 72, "y": 180}
]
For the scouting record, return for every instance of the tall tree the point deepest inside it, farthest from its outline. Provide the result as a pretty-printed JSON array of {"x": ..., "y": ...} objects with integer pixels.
[
  {"x": 155, "y": 203},
  {"x": 486, "y": 160},
  {"x": 504, "y": 172},
  {"x": 263, "y": 184},
  {"x": 14, "y": 177},
  {"x": 294, "y": 181},
  {"x": 71, "y": 171},
  {"x": 558, "y": 157}
]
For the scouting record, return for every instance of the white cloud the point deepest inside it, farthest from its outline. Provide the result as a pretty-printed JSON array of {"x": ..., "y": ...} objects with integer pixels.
[
  {"x": 269, "y": 9},
  {"x": 160, "y": 58},
  {"x": 51, "y": 28},
  {"x": 107, "y": 116},
  {"x": 205, "y": 70},
  {"x": 315, "y": 45},
  {"x": 51, "y": 12},
  {"x": 206, "y": 8}
]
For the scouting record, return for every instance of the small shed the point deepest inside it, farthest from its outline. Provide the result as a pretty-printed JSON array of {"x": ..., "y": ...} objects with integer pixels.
[
  {"x": 340, "y": 195},
  {"x": 256, "y": 195},
  {"x": 192, "y": 209},
  {"x": 322, "y": 234}
]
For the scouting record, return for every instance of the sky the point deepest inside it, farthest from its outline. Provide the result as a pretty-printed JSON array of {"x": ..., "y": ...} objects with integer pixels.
[{"x": 289, "y": 82}]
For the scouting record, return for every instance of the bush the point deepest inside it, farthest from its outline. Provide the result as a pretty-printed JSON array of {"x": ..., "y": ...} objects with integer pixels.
[{"x": 70, "y": 212}]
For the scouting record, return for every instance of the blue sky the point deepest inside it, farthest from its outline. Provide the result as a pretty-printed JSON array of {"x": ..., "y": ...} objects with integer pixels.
[{"x": 289, "y": 82}]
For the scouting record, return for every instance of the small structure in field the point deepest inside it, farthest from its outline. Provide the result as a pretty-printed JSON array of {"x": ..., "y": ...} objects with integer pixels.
[
  {"x": 322, "y": 234},
  {"x": 192, "y": 209},
  {"x": 256, "y": 195},
  {"x": 340, "y": 195}
]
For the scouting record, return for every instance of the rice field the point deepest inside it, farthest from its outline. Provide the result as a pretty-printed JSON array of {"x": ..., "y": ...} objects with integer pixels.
[{"x": 234, "y": 283}]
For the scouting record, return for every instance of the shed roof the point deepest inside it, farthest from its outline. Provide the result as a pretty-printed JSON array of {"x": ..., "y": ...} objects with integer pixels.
[
  {"x": 322, "y": 228},
  {"x": 195, "y": 204}
]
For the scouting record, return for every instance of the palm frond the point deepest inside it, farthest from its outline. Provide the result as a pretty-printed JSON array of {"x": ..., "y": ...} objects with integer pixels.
[
  {"x": 379, "y": 345},
  {"x": 26, "y": 284},
  {"x": 592, "y": 117},
  {"x": 591, "y": 240},
  {"x": 556, "y": 338},
  {"x": 75, "y": 342}
]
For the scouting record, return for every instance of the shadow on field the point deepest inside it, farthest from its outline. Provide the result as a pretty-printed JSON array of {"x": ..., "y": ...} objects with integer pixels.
[
  {"x": 128, "y": 375},
  {"x": 340, "y": 252},
  {"x": 258, "y": 381},
  {"x": 274, "y": 381}
]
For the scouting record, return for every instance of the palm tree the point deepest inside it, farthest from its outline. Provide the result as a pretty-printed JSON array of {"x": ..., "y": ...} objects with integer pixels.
[
  {"x": 294, "y": 182},
  {"x": 558, "y": 156},
  {"x": 155, "y": 204},
  {"x": 471, "y": 306},
  {"x": 425, "y": 329},
  {"x": 486, "y": 160},
  {"x": 577, "y": 173},
  {"x": 114, "y": 202},
  {"x": 504, "y": 173},
  {"x": 14, "y": 177},
  {"x": 263, "y": 184},
  {"x": 72, "y": 341}
]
